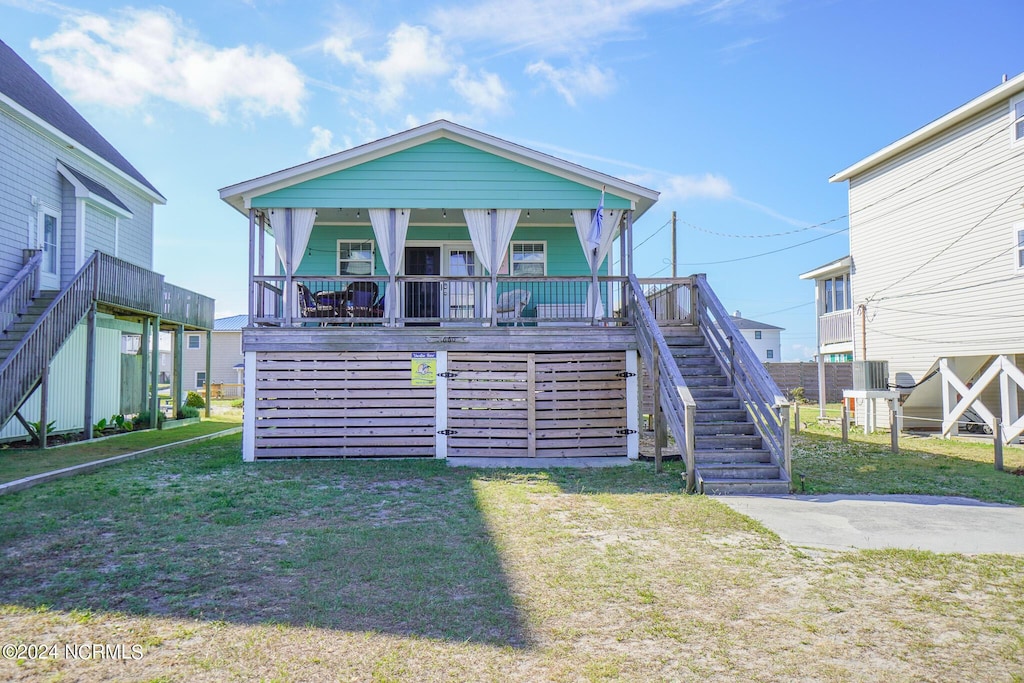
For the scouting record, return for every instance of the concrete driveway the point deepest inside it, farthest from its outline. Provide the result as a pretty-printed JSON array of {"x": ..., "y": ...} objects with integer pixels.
[{"x": 937, "y": 523}]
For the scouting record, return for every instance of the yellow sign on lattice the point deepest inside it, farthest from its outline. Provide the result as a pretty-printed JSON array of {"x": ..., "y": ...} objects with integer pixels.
[{"x": 424, "y": 369}]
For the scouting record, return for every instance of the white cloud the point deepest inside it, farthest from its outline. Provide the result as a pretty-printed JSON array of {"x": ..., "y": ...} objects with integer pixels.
[
  {"x": 141, "y": 55},
  {"x": 322, "y": 143},
  {"x": 414, "y": 54},
  {"x": 486, "y": 92},
  {"x": 550, "y": 26},
  {"x": 575, "y": 81},
  {"x": 707, "y": 186}
]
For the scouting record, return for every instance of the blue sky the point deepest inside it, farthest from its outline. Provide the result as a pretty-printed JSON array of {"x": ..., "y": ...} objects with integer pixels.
[{"x": 738, "y": 111}]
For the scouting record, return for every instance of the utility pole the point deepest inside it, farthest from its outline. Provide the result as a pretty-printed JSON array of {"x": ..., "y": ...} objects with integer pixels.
[{"x": 673, "y": 244}]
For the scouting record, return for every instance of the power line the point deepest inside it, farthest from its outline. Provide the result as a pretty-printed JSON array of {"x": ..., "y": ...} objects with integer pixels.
[
  {"x": 765, "y": 253},
  {"x": 947, "y": 247},
  {"x": 652, "y": 235},
  {"x": 783, "y": 310},
  {"x": 878, "y": 201}
]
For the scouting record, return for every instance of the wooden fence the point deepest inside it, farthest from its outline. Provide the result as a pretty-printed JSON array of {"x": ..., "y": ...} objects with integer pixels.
[{"x": 789, "y": 376}]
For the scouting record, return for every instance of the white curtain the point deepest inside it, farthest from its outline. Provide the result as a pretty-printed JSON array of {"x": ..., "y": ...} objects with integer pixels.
[
  {"x": 302, "y": 227},
  {"x": 583, "y": 218},
  {"x": 390, "y": 226},
  {"x": 491, "y": 246}
]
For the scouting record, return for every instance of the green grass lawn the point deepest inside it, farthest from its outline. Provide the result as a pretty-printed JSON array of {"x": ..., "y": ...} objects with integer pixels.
[
  {"x": 924, "y": 465},
  {"x": 16, "y": 463},
  {"x": 411, "y": 570}
]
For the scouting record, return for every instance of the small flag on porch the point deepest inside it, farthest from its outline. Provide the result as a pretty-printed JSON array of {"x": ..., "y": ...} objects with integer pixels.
[{"x": 594, "y": 238}]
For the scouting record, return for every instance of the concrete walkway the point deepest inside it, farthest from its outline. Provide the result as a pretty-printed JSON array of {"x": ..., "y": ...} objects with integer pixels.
[{"x": 937, "y": 523}]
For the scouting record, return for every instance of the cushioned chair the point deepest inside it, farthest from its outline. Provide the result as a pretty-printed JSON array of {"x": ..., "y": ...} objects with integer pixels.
[
  {"x": 511, "y": 304},
  {"x": 311, "y": 306},
  {"x": 360, "y": 298}
]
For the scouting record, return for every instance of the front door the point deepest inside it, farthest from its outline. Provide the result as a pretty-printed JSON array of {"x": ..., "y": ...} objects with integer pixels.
[
  {"x": 458, "y": 299},
  {"x": 422, "y": 299},
  {"x": 49, "y": 243}
]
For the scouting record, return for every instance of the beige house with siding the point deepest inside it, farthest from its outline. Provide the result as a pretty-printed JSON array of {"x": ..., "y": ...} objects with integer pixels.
[
  {"x": 937, "y": 262},
  {"x": 226, "y": 359}
]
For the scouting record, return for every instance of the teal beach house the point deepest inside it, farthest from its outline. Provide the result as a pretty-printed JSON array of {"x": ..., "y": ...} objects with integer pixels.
[{"x": 445, "y": 293}]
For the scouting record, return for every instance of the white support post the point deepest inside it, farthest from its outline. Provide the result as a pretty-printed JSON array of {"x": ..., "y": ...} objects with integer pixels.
[
  {"x": 822, "y": 388},
  {"x": 249, "y": 409},
  {"x": 632, "y": 405},
  {"x": 441, "y": 407},
  {"x": 251, "y": 285},
  {"x": 948, "y": 400},
  {"x": 1008, "y": 394}
]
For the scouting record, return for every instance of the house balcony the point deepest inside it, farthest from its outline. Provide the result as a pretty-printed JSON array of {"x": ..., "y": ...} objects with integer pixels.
[
  {"x": 835, "y": 328},
  {"x": 125, "y": 287},
  {"x": 431, "y": 301}
]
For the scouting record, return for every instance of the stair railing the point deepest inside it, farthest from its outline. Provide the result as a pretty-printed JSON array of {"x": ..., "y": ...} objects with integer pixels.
[
  {"x": 24, "y": 365},
  {"x": 768, "y": 408},
  {"x": 17, "y": 295},
  {"x": 677, "y": 403}
]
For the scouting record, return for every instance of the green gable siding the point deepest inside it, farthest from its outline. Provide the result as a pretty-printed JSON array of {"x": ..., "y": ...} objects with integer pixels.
[{"x": 439, "y": 174}]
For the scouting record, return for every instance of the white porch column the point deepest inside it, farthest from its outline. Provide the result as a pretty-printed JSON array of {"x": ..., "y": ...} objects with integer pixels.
[
  {"x": 249, "y": 408},
  {"x": 633, "y": 405},
  {"x": 441, "y": 406}
]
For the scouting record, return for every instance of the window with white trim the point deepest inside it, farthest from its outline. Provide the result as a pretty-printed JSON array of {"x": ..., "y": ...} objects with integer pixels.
[
  {"x": 1018, "y": 236},
  {"x": 528, "y": 259},
  {"x": 757, "y": 334},
  {"x": 835, "y": 293},
  {"x": 200, "y": 379},
  {"x": 192, "y": 341},
  {"x": 355, "y": 258},
  {"x": 771, "y": 354},
  {"x": 1017, "y": 112}
]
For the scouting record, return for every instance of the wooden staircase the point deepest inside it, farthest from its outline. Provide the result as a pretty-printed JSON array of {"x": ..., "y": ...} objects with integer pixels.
[
  {"x": 730, "y": 455},
  {"x": 10, "y": 338}
]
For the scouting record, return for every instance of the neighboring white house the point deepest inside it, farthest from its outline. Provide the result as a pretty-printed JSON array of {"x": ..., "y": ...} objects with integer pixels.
[
  {"x": 764, "y": 339},
  {"x": 227, "y": 364},
  {"x": 75, "y": 217},
  {"x": 937, "y": 260}
]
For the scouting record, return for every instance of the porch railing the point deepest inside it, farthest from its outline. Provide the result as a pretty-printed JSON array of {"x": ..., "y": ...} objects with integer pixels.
[
  {"x": 125, "y": 285},
  {"x": 186, "y": 307},
  {"x": 424, "y": 299},
  {"x": 677, "y": 403},
  {"x": 103, "y": 278},
  {"x": 24, "y": 365},
  {"x": 764, "y": 401},
  {"x": 836, "y": 328},
  {"x": 670, "y": 299},
  {"x": 17, "y": 294}
]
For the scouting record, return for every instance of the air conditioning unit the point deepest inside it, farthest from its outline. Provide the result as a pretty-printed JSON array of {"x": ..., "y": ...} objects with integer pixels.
[{"x": 871, "y": 375}]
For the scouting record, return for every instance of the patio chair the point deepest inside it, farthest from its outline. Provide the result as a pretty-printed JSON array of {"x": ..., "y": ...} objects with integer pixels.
[
  {"x": 360, "y": 298},
  {"x": 311, "y": 306},
  {"x": 511, "y": 304}
]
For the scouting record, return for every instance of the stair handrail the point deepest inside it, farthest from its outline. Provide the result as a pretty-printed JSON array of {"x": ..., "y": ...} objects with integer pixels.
[
  {"x": 23, "y": 366},
  {"x": 767, "y": 406},
  {"x": 676, "y": 400},
  {"x": 17, "y": 295}
]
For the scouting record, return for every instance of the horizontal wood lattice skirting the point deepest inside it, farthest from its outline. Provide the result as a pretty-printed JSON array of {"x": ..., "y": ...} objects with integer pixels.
[
  {"x": 362, "y": 404},
  {"x": 536, "y": 405},
  {"x": 331, "y": 404}
]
